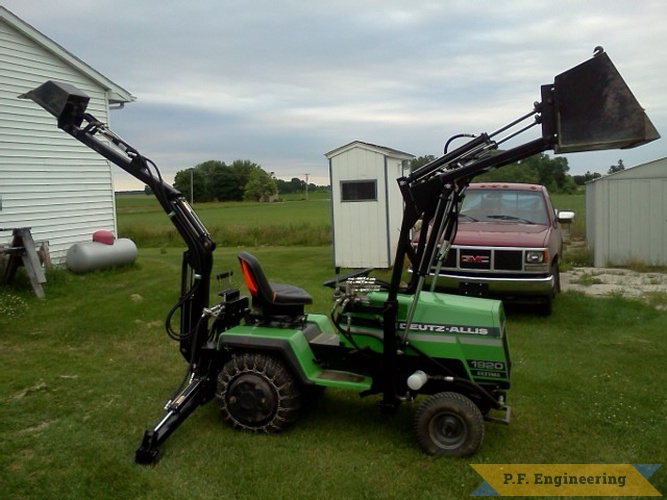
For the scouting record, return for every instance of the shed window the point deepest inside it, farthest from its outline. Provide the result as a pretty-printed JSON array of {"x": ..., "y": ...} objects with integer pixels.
[{"x": 365, "y": 190}]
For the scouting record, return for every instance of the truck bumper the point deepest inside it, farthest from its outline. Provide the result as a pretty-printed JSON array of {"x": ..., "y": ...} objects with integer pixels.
[{"x": 497, "y": 285}]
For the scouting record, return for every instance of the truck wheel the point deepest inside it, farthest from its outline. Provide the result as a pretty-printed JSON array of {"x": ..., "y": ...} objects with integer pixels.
[
  {"x": 449, "y": 423},
  {"x": 257, "y": 392}
]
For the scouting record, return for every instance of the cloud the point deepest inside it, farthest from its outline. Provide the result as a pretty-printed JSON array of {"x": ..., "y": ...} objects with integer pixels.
[{"x": 282, "y": 83}]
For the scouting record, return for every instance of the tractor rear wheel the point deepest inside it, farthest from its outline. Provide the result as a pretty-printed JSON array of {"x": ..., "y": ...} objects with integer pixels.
[
  {"x": 449, "y": 423},
  {"x": 257, "y": 392}
]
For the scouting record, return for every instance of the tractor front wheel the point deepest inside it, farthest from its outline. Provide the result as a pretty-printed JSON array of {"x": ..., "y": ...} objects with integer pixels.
[
  {"x": 449, "y": 423},
  {"x": 258, "y": 393}
]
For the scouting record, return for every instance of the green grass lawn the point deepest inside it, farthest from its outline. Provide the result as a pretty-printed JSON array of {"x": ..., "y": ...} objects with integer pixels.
[{"x": 88, "y": 368}]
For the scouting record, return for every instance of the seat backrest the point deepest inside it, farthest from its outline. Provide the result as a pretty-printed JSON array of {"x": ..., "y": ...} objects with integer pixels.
[{"x": 255, "y": 279}]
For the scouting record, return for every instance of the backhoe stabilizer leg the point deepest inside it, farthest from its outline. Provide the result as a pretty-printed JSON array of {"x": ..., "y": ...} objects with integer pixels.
[
  {"x": 147, "y": 453},
  {"x": 176, "y": 411}
]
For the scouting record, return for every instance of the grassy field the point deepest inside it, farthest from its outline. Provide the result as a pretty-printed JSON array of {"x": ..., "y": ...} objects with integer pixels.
[
  {"x": 294, "y": 223},
  {"x": 85, "y": 370}
]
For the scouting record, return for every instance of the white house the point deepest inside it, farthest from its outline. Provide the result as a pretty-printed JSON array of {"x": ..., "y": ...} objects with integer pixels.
[
  {"x": 366, "y": 203},
  {"x": 626, "y": 216},
  {"x": 49, "y": 181}
]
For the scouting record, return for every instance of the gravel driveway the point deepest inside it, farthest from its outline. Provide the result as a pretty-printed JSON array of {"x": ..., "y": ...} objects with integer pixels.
[{"x": 602, "y": 281}]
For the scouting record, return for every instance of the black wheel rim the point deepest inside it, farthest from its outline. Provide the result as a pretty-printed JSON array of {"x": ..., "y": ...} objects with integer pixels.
[
  {"x": 448, "y": 430},
  {"x": 251, "y": 399}
]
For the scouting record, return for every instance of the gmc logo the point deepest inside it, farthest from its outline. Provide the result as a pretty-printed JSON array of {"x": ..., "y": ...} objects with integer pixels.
[{"x": 475, "y": 259}]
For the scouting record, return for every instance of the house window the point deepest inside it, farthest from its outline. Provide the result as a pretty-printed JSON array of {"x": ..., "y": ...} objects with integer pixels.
[{"x": 365, "y": 190}]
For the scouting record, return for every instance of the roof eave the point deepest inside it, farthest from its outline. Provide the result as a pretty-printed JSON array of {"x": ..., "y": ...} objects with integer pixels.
[
  {"x": 394, "y": 153},
  {"x": 115, "y": 93}
]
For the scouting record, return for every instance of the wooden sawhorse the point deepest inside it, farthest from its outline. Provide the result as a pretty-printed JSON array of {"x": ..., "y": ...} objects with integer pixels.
[{"x": 22, "y": 252}]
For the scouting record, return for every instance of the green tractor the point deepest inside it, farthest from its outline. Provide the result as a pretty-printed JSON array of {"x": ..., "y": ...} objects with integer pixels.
[
  {"x": 262, "y": 356},
  {"x": 453, "y": 349}
]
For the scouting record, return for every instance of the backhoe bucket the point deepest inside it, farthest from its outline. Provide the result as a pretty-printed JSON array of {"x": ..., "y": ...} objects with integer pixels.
[
  {"x": 590, "y": 107},
  {"x": 62, "y": 100}
]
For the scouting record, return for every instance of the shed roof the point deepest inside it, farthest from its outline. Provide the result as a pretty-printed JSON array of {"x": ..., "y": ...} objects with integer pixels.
[
  {"x": 394, "y": 153},
  {"x": 650, "y": 169},
  {"x": 116, "y": 93}
]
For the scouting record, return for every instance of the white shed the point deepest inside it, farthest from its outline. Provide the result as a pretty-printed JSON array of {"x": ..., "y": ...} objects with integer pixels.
[
  {"x": 366, "y": 203},
  {"x": 626, "y": 216},
  {"x": 49, "y": 181}
]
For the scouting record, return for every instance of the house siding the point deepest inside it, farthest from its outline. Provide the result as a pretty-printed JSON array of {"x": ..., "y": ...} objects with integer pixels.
[{"x": 49, "y": 181}]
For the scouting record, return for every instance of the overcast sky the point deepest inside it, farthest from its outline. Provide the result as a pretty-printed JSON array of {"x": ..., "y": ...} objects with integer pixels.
[{"x": 281, "y": 82}]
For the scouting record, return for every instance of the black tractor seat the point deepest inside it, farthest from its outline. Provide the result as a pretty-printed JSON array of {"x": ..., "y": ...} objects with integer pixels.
[{"x": 272, "y": 301}]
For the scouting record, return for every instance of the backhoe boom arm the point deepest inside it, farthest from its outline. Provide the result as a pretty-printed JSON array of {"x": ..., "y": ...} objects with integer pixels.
[{"x": 68, "y": 104}]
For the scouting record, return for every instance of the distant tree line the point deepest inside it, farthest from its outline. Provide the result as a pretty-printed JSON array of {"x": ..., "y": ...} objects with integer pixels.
[
  {"x": 537, "y": 169},
  {"x": 242, "y": 180},
  {"x": 296, "y": 185},
  {"x": 215, "y": 180}
]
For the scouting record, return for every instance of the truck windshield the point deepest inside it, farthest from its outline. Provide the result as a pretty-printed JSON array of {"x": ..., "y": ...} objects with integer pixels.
[{"x": 505, "y": 205}]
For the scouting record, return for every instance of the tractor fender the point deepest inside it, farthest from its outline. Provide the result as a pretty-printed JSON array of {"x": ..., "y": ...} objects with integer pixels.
[
  {"x": 480, "y": 396},
  {"x": 279, "y": 346}
]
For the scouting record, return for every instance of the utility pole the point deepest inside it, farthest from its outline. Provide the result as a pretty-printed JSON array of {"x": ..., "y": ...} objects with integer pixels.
[
  {"x": 306, "y": 186},
  {"x": 192, "y": 186}
]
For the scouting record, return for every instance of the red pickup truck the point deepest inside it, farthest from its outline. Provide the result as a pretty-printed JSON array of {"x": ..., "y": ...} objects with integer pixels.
[{"x": 508, "y": 245}]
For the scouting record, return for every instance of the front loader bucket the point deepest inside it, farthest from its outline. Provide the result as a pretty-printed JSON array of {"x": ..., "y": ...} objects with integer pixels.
[{"x": 590, "y": 107}]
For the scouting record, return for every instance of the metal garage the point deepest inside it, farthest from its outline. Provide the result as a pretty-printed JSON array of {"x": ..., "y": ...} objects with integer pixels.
[{"x": 626, "y": 216}]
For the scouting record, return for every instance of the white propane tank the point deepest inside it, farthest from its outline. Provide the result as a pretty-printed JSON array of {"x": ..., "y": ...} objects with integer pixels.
[{"x": 92, "y": 255}]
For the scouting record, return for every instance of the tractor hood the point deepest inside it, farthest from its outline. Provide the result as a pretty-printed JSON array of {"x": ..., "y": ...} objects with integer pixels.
[{"x": 501, "y": 234}]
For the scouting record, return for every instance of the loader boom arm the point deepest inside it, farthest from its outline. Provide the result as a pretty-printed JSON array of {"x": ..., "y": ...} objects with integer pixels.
[{"x": 586, "y": 108}]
